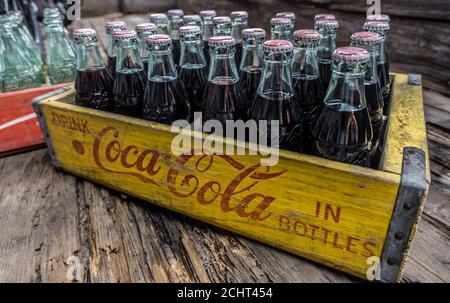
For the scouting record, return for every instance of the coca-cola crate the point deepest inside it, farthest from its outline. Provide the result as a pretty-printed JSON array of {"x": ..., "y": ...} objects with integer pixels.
[
  {"x": 19, "y": 127},
  {"x": 354, "y": 219}
]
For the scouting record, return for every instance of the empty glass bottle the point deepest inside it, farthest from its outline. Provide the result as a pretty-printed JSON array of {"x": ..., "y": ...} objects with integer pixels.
[
  {"x": 111, "y": 27},
  {"x": 193, "y": 67},
  {"x": 274, "y": 100},
  {"x": 164, "y": 98},
  {"x": 372, "y": 42},
  {"x": 252, "y": 62},
  {"x": 281, "y": 29},
  {"x": 289, "y": 15},
  {"x": 130, "y": 80},
  {"x": 307, "y": 83},
  {"x": 175, "y": 22},
  {"x": 382, "y": 28},
  {"x": 61, "y": 55},
  {"x": 223, "y": 98},
  {"x": 162, "y": 23},
  {"x": 222, "y": 26},
  {"x": 143, "y": 30},
  {"x": 239, "y": 22},
  {"x": 324, "y": 17},
  {"x": 16, "y": 69},
  {"x": 343, "y": 131},
  {"x": 94, "y": 83},
  {"x": 327, "y": 45}
]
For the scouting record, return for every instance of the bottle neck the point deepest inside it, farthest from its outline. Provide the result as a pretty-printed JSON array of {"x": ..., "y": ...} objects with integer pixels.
[
  {"x": 276, "y": 80},
  {"x": 382, "y": 50},
  {"x": 174, "y": 26},
  {"x": 327, "y": 44},
  {"x": 372, "y": 69},
  {"x": 347, "y": 86},
  {"x": 207, "y": 31},
  {"x": 305, "y": 63},
  {"x": 222, "y": 67},
  {"x": 162, "y": 29},
  {"x": 88, "y": 54},
  {"x": 128, "y": 58},
  {"x": 142, "y": 46},
  {"x": 252, "y": 54},
  {"x": 54, "y": 26},
  {"x": 222, "y": 30},
  {"x": 111, "y": 45},
  {"x": 161, "y": 67},
  {"x": 281, "y": 32},
  {"x": 236, "y": 30},
  {"x": 192, "y": 55}
]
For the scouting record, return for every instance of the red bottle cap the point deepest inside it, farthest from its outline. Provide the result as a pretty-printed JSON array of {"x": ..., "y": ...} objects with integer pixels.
[
  {"x": 280, "y": 21},
  {"x": 365, "y": 38},
  {"x": 288, "y": 15},
  {"x": 112, "y": 26},
  {"x": 253, "y": 33},
  {"x": 158, "y": 18},
  {"x": 158, "y": 39},
  {"x": 175, "y": 13},
  {"x": 326, "y": 24},
  {"x": 376, "y": 26},
  {"x": 84, "y": 32},
  {"x": 189, "y": 30},
  {"x": 351, "y": 55},
  {"x": 278, "y": 46},
  {"x": 306, "y": 35},
  {"x": 221, "y": 20},
  {"x": 324, "y": 17},
  {"x": 379, "y": 17},
  {"x": 221, "y": 41},
  {"x": 208, "y": 13},
  {"x": 145, "y": 27},
  {"x": 124, "y": 35},
  {"x": 239, "y": 14},
  {"x": 192, "y": 18}
]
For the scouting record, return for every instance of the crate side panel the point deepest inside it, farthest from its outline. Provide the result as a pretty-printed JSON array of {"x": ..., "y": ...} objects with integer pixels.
[{"x": 331, "y": 216}]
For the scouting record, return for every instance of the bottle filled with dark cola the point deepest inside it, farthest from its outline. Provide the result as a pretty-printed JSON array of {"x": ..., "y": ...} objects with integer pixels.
[
  {"x": 307, "y": 83},
  {"x": 223, "y": 98},
  {"x": 343, "y": 131},
  {"x": 130, "y": 78},
  {"x": 382, "y": 28},
  {"x": 164, "y": 98},
  {"x": 93, "y": 83},
  {"x": 207, "y": 29},
  {"x": 111, "y": 27},
  {"x": 222, "y": 26},
  {"x": 374, "y": 98},
  {"x": 252, "y": 62},
  {"x": 143, "y": 30},
  {"x": 288, "y": 15},
  {"x": 175, "y": 17},
  {"x": 274, "y": 101},
  {"x": 281, "y": 29},
  {"x": 239, "y": 22},
  {"x": 193, "y": 66},
  {"x": 327, "y": 45}
]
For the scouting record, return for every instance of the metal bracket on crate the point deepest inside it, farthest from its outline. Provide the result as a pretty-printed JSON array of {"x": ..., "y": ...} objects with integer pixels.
[
  {"x": 413, "y": 186},
  {"x": 37, "y": 108},
  {"x": 415, "y": 79}
]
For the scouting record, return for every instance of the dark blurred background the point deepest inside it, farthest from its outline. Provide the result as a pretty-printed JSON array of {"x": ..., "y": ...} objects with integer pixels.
[{"x": 419, "y": 37}]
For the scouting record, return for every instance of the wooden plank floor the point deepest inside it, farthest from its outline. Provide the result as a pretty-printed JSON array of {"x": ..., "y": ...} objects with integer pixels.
[{"x": 48, "y": 216}]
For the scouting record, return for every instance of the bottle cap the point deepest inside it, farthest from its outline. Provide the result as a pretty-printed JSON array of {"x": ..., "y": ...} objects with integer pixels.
[
  {"x": 326, "y": 24},
  {"x": 280, "y": 21},
  {"x": 221, "y": 41},
  {"x": 208, "y": 13},
  {"x": 124, "y": 35},
  {"x": 289, "y": 15},
  {"x": 253, "y": 33},
  {"x": 145, "y": 27},
  {"x": 324, "y": 17},
  {"x": 306, "y": 35},
  {"x": 158, "y": 18},
  {"x": 376, "y": 26},
  {"x": 221, "y": 20},
  {"x": 189, "y": 30},
  {"x": 239, "y": 14},
  {"x": 84, "y": 32},
  {"x": 351, "y": 55},
  {"x": 158, "y": 40},
  {"x": 191, "y": 18},
  {"x": 175, "y": 13},
  {"x": 379, "y": 17},
  {"x": 112, "y": 26},
  {"x": 366, "y": 38},
  {"x": 278, "y": 46},
  {"x": 51, "y": 11}
]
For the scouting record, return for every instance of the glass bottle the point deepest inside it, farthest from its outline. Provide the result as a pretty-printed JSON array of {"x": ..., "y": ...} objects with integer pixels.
[
  {"x": 207, "y": 33},
  {"x": 193, "y": 67},
  {"x": 61, "y": 55},
  {"x": 343, "y": 131},
  {"x": 222, "y": 26},
  {"x": 162, "y": 23},
  {"x": 94, "y": 83},
  {"x": 239, "y": 22},
  {"x": 382, "y": 28},
  {"x": 274, "y": 100},
  {"x": 16, "y": 70},
  {"x": 223, "y": 98},
  {"x": 129, "y": 83},
  {"x": 379, "y": 18},
  {"x": 281, "y": 29},
  {"x": 327, "y": 44},
  {"x": 195, "y": 20},
  {"x": 307, "y": 83},
  {"x": 175, "y": 22},
  {"x": 143, "y": 30},
  {"x": 329, "y": 17},
  {"x": 111, "y": 27},
  {"x": 288, "y": 15},
  {"x": 252, "y": 62},
  {"x": 164, "y": 98},
  {"x": 372, "y": 42}
]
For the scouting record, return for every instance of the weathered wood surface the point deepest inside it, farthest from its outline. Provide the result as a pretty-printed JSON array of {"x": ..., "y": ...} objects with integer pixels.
[{"x": 47, "y": 216}]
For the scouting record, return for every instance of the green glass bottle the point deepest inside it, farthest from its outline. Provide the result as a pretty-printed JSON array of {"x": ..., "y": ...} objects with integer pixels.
[
  {"x": 16, "y": 69},
  {"x": 61, "y": 55}
]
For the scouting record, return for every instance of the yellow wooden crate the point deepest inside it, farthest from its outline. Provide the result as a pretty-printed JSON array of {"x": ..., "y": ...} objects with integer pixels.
[{"x": 354, "y": 219}]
